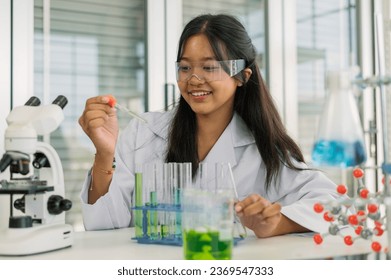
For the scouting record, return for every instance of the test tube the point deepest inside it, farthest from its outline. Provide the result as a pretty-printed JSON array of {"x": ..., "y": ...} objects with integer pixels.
[
  {"x": 138, "y": 201},
  {"x": 158, "y": 170},
  {"x": 202, "y": 176},
  {"x": 149, "y": 176},
  {"x": 185, "y": 175},
  {"x": 164, "y": 225},
  {"x": 175, "y": 197},
  {"x": 185, "y": 182}
]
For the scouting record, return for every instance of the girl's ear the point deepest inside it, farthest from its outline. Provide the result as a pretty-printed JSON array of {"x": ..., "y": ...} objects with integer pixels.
[{"x": 247, "y": 73}]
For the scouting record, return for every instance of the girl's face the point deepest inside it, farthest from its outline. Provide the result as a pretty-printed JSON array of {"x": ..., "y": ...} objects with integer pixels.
[{"x": 207, "y": 91}]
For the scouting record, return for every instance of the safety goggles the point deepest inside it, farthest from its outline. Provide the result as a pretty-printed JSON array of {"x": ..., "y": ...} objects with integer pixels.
[{"x": 209, "y": 70}]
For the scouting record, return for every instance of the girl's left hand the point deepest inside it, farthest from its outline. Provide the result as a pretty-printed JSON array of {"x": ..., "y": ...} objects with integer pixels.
[{"x": 259, "y": 215}]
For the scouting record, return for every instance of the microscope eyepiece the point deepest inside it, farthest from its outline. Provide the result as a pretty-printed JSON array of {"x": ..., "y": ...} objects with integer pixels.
[
  {"x": 61, "y": 101},
  {"x": 33, "y": 101}
]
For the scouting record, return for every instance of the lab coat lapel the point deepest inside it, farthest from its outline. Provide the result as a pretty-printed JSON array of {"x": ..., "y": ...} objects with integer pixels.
[
  {"x": 223, "y": 150},
  {"x": 235, "y": 135}
]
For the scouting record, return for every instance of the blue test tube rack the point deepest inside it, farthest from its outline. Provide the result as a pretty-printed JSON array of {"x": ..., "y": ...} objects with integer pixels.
[
  {"x": 146, "y": 237},
  {"x": 160, "y": 223},
  {"x": 175, "y": 240}
]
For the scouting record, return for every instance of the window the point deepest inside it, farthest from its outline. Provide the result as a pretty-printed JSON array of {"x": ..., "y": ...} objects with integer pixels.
[
  {"x": 96, "y": 47},
  {"x": 250, "y": 13}
]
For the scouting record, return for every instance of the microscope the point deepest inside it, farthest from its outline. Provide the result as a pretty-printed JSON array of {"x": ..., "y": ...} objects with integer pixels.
[{"x": 37, "y": 177}]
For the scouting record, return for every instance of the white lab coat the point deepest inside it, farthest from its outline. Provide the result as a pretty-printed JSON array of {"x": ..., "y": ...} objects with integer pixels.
[{"x": 296, "y": 191}]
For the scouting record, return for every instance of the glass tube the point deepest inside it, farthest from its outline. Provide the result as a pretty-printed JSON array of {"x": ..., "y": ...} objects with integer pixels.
[
  {"x": 185, "y": 175},
  {"x": 150, "y": 178},
  {"x": 202, "y": 176},
  {"x": 166, "y": 201},
  {"x": 138, "y": 201}
]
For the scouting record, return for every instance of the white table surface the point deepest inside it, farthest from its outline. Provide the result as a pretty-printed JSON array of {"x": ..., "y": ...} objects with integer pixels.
[{"x": 118, "y": 245}]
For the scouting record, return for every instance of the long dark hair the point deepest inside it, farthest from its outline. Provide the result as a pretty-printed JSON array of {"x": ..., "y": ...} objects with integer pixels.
[{"x": 253, "y": 102}]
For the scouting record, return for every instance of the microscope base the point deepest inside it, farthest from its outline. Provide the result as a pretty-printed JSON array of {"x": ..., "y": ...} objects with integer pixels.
[{"x": 35, "y": 240}]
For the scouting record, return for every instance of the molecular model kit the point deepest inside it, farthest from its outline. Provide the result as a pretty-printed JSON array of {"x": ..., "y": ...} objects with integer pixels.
[{"x": 363, "y": 213}]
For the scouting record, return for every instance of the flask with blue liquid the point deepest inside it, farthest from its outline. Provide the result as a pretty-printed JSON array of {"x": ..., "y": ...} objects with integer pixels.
[{"x": 340, "y": 139}]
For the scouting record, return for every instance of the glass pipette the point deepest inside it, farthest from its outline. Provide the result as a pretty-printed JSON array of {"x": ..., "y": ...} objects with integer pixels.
[
  {"x": 130, "y": 113},
  {"x": 238, "y": 223},
  {"x": 113, "y": 103}
]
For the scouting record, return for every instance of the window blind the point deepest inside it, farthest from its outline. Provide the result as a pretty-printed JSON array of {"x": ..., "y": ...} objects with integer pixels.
[{"x": 96, "y": 47}]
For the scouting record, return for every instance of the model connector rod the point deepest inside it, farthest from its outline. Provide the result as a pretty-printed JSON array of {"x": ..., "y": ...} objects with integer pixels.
[{"x": 113, "y": 103}]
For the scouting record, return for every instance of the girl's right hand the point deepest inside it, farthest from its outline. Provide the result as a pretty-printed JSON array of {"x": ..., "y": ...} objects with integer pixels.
[{"x": 99, "y": 121}]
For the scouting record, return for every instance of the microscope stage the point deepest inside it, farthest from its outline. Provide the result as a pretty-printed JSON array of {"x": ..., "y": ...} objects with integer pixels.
[{"x": 24, "y": 187}]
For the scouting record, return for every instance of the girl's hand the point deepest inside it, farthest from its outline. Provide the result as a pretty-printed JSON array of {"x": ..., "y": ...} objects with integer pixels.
[
  {"x": 99, "y": 121},
  {"x": 259, "y": 215}
]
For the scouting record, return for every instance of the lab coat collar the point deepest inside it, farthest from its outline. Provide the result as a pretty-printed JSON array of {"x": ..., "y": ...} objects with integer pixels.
[
  {"x": 235, "y": 135},
  {"x": 240, "y": 132}
]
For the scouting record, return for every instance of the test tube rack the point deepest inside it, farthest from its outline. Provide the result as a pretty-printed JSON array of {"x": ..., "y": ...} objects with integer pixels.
[
  {"x": 157, "y": 208},
  {"x": 157, "y": 202},
  {"x": 153, "y": 233}
]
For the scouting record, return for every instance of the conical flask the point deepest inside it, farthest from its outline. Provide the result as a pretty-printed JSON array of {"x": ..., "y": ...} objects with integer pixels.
[{"x": 340, "y": 139}]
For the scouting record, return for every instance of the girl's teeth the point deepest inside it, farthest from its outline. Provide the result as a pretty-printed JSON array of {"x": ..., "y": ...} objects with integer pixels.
[{"x": 199, "y": 93}]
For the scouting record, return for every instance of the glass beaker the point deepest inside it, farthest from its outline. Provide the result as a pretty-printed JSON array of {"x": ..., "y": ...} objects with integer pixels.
[
  {"x": 207, "y": 224},
  {"x": 207, "y": 221},
  {"x": 340, "y": 139}
]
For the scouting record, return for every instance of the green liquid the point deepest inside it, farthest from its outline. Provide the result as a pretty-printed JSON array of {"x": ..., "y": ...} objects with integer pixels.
[
  {"x": 206, "y": 246},
  {"x": 138, "y": 223},
  {"x": 164, "y": 231}
]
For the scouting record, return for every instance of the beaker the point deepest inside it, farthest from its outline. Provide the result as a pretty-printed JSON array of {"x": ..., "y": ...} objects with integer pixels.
[
  {"x": 340, "y": 139},
  {"x": 207, "y": 221},
  {"x": 207, "y": 225}
]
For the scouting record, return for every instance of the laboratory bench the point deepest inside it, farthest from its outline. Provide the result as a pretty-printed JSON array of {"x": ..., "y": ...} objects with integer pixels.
[{"x": 118, "y": 245}]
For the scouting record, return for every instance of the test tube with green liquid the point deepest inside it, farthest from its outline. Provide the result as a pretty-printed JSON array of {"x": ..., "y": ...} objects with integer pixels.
[
  {"x": 150, "y": 179},
  {"x": 138, "y": 201}
]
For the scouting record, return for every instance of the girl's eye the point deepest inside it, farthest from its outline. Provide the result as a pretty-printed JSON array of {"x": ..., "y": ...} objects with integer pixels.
[
  {"x": 184, "y": 68},
  {"x": 211, "y": 68}
]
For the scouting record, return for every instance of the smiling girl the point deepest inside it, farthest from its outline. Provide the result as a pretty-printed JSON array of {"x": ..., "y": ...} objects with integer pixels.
[{"x": 225, "y": 114}]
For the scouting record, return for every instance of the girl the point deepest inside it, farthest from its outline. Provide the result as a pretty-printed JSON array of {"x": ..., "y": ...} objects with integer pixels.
[{"x": 225, "y": 114}]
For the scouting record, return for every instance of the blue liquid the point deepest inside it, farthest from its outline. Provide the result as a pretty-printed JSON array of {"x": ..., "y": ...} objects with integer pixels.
[{"x": 338, "y": 153}]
